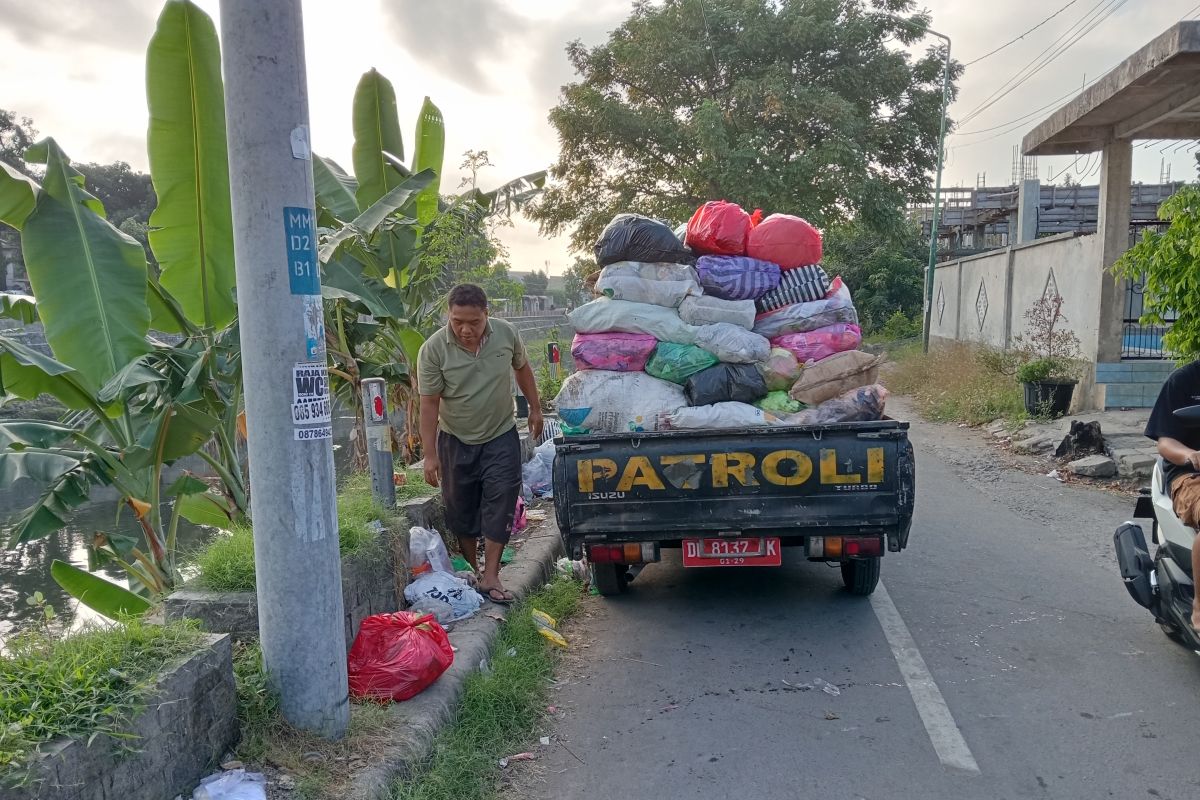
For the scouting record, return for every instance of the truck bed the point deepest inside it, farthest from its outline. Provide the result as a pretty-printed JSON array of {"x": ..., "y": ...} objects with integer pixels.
[{"x": 791, "y": 482}]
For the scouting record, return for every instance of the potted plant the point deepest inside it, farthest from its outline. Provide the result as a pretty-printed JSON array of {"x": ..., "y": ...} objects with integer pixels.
[{"x": 1050, "y": 374}]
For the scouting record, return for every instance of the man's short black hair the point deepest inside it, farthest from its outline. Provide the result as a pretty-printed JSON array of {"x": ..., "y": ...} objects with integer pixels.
[{"x": 468, "y": 294}]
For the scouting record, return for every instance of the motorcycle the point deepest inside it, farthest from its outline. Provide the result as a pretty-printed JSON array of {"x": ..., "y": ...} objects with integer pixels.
[{"x": 1162, "y": 584}]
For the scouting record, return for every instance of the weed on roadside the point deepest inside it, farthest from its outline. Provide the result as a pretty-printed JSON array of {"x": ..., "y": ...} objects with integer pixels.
[
  {"x": 500, "y": 710},
  {"x": 316, "y": 764},
  {"x": 957, "y": 383}
]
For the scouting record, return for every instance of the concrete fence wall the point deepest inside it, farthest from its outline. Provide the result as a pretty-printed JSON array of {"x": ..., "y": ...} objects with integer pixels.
[{"x": 983, "y": 299}]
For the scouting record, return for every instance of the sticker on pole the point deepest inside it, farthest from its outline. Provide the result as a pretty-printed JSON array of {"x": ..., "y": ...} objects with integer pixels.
[
  {"x": 310, "y": 394},
  {"x": 301, "y": 236},
  {"x": 314, "y": 434},
  {"x": 314, "y": 328}
]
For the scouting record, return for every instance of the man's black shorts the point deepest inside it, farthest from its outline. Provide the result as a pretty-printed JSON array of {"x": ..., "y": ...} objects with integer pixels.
[{"x": 481, "y": 484}]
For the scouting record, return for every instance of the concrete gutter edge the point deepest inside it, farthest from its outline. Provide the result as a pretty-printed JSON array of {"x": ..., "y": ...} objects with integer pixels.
[{"x": 417, "y": 722}]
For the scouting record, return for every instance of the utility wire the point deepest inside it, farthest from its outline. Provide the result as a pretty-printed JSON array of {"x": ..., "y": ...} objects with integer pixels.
[
  {"x": 1098, "y": 14},
  {"x": 1021, "y": 118},
  {"x": 1022, "y": 36}
]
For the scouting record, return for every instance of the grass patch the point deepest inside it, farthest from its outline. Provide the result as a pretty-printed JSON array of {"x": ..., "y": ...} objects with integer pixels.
[
  {"x": 414, "y": 486},
  {"x": 89, "y": 683},
  {"x": 500, "y": 712},
  {"x": 957, "y": 383},
  {"x": 318, "y": 764},
  {"x": 226, "y": 564}
]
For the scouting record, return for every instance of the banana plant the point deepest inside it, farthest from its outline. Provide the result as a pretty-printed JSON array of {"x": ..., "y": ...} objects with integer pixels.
[{"x": 135, "y": 405}]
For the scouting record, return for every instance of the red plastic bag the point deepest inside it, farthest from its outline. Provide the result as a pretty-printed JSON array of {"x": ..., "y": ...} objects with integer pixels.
[
  {"x": 397, "y": 656},
  {"x": 719, "y": 228},
  {"x": 785, "y": 240}
]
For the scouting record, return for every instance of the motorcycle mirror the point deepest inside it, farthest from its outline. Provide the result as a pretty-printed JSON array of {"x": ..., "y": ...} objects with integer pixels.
[{"x": 1189, "y": 415}]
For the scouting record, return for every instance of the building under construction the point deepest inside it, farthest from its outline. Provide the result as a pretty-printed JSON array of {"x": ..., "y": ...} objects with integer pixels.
[{"x": 977, "y": 220}]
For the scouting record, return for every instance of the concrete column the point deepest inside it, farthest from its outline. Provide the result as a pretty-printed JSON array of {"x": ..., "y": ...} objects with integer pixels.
[
  {"x": 1029, "y": 197},
  {"x": 1116, "y": 173}
]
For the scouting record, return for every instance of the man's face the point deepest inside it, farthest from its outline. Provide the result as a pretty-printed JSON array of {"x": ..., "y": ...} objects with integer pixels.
[{"x": 468, "y": 323}]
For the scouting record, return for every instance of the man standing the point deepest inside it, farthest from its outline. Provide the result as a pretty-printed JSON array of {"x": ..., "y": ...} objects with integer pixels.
[
  {"x": 1179, "y": 445},
  {"x": 468, "y": 429}
]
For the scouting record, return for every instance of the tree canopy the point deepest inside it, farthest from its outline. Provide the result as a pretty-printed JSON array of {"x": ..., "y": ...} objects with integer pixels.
[
  {"x": 801, "y": 106},
  {"x": 1166, "y": 263},
  {"x": 537, "y": 283},
  {"x": 886, "y": 276}
]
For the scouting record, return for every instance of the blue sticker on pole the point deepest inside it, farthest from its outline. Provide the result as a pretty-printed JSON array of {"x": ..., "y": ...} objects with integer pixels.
[{"x": 301, "y": 235}]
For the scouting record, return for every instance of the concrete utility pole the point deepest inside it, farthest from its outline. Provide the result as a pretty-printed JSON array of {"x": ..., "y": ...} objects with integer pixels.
[{"x": 297, "y": 568}]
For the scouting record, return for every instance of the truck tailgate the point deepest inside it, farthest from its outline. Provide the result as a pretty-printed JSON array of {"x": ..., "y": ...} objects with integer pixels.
[{"x": 778, "y": 480}]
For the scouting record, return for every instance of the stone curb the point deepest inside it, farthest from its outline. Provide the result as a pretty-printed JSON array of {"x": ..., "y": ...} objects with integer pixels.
[{"x": 416, "y": 722}]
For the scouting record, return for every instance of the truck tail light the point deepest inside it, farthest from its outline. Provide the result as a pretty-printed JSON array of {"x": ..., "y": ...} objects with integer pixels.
[
  {"x": 837, "y": 547},
  {"x": 864, "y": 546},
  {"x": 629, "y": 553}
]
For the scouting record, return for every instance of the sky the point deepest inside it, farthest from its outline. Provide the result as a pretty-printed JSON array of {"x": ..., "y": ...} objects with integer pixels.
[{"x": 494, "y": 68}]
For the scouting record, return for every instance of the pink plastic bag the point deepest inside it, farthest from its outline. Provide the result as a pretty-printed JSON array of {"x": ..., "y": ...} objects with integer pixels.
[
  {"x": 719, "y": 228},
  {"x": 616, "y": 352},
  {"x": 520, "y": 518},
  {"x": 821, "y": 343}
]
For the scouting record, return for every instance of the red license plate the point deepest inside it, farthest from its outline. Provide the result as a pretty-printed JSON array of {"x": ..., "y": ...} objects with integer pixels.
[{"x": 740, "y": 552}]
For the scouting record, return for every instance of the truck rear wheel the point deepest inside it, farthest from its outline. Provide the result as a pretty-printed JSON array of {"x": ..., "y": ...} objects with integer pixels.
[
  {"x": 861, "y": 575},
  {"x": 609, "y": 579}
]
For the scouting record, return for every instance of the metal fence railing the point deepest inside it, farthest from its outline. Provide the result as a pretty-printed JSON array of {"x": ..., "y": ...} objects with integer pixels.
[{"x": 1139, "y": 341}]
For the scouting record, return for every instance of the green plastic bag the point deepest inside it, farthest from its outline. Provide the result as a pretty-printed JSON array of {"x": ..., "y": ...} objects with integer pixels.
[
  {"x": 780, "y": 403},
  {"x": 678, "y": 362}
]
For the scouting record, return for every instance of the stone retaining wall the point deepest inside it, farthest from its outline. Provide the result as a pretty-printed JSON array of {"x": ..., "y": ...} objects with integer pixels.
[
  {"x": 189, "y": 723},
  {"x": 370, "y": 584}
]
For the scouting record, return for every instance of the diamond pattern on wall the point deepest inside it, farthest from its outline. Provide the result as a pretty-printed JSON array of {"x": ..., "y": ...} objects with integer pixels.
[
  {"x": 1051, "y": 290},
  {"x": 941, "y": 305},
  {"x": 981, "y": 304}
]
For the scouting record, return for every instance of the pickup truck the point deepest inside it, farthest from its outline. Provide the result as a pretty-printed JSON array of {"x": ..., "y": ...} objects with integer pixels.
[{"x": 733, "y": 498}]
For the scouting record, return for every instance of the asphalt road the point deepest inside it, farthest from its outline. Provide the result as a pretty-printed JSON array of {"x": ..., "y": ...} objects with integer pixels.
[{"x": 1055, "y": 684}]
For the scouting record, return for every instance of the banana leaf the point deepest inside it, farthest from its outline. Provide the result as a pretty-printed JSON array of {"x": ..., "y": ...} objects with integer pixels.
[
  {"x": 18, "y": 195},
  {"x": 191, "y": 230},
  {"x": 27, "y": 373},
  {"x": 113, "y": 601},
  {"x": 89, "y": 278},
  {"x": 335, "y": 189},
  {"x": 367, "y": 223},
  {"x": 428, "y": 153},
  {"x": 376, "y": 133},
  {"x": 21, "y": 307}
]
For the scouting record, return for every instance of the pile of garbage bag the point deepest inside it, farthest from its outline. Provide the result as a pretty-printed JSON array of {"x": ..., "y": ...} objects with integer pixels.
[{"x": 726, "y": 321}]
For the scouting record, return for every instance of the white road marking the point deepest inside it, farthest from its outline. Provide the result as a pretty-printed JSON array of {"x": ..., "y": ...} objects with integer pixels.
[{"x": 943, "y": 731}]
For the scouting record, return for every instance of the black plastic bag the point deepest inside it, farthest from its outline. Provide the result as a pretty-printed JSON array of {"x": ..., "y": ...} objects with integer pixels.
[
  {"x": 724, "y": 382},
  {"x": 632, "y": 237}
]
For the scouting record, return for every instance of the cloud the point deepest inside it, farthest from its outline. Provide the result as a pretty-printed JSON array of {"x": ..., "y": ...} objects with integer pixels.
[
  {"x": 459, "y": 37},
  {"x": 116, "y": 24}
]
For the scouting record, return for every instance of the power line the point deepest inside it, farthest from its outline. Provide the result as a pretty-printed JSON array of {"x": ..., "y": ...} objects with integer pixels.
[
  {"x": 1023, "y": 35},
  {"x": 1090, "y": 21},
  {"x": 1021, "y": 118}
]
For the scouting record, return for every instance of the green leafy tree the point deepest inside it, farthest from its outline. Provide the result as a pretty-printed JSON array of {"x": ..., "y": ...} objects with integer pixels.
[
  {"x": 810, "y": 107},
  {"x": 574, "y": 277},
  {"x": 885, "y": 274},
  {"x": 17, "y": 135},
  {"x": 127, "y": 195},
  {"x": 1167, "y": 263},
  {"x": 537, "y": 283}
]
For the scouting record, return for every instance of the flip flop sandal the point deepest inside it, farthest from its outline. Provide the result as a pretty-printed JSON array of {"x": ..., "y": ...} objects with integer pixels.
[{"x": 500, "y": 597}]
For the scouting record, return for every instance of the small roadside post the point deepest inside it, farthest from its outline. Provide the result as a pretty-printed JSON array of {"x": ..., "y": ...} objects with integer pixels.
[
  {"x": 553, "y": 358},
  {"x": 379, "y": 441}
]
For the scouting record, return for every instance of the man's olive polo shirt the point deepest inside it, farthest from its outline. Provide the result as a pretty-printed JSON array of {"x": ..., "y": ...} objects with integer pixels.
[{"x": 476, "y": 389}]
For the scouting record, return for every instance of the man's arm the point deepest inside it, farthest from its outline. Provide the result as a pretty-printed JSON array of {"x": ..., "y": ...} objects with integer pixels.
[
  {"x": 430, "y": 404},
  {"x": 1178, "y": 453},
  {"x": 528, "y": 386}
]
